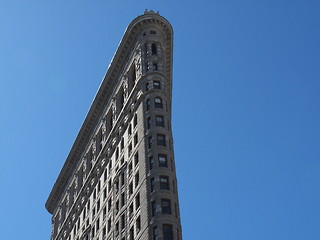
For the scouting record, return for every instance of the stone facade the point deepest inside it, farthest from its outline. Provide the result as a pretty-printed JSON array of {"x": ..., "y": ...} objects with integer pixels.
[{"x": 119, "y": 181}]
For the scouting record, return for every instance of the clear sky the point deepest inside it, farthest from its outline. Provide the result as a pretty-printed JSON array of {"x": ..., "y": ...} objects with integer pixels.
[{"x": 246, "y": 109}]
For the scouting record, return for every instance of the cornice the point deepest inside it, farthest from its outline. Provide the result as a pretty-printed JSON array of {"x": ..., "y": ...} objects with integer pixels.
[{"x": 104, "y": 94}]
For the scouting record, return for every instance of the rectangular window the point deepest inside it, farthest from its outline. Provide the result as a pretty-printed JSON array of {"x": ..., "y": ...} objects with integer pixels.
[
  {"x": 137, "y": 201},
  {"x": 131, "y": 234},
  {"x": 165, "y": 206},
  {"x": 138, "y": 224},
  {"x": 167, "y": 232},
  {"x": 156, "y": 85},
  {"x": 159, "y": 121},
  {"x": 155, "y": 233},
  {"x": 135, "y": 142},
  {"x": 158, "y": 102},
  {"x": 109, "y": 204},
  {"x": 148, "y": 122},
  {"x": 152, "y": 184},
  {"x": 161, "y": 140},
  {"x": 164, "y": 182},
  {"x": 149, "y": 142},
  {"x": 135, "y": 120},
  {"x": 162, "y": 160},
  {"x": 130, "y": 188},
  {"x": 130, "y": 149},
  {"x": 151, "y": 162},
  {"x": 136, "y": 159},
  {"x": 153, "y": 208},
  {"x": 130, "y": 130},
  {"x": 123, "y": 221},
  {"x": 136, "y": 179}
]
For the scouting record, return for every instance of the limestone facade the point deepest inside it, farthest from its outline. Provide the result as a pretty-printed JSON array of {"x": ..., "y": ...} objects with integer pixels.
[{"x": 119, "y": 180}]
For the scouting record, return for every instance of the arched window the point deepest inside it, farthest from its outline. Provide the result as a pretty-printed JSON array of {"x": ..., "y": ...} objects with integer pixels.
[{"x": 158, "y": 102}]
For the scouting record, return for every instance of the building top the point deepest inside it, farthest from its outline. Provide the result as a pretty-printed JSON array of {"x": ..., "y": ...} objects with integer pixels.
[{"x": 105, "y": 90}]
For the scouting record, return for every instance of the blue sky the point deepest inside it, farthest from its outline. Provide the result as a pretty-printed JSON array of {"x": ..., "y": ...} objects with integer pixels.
[{"x": 246, "y": 103}]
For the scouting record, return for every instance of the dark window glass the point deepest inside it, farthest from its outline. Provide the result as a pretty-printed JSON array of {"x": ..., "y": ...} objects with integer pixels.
[
  {"x": 167, "y": 232},
  {"x": 162, "y": 160},
  {"x": 158, "y": 102},
  {"x": 165, "y": 206},
  {"x": 153, "y": 208},
  {"x": 154, "y": 49},
  {"x": 137, "y": 201},
  {"x": 164, "y": 182},
  {"x": 161, "y": 140},
  {"x": 150, "y": 142},
  {"x": 148, "y": 104},
  {"x": 135, "y": 120},
  {"x": 156, "y": 85},
  {"x": 159, "y": 121},
  {"x": 152, "y": 184},
  {"x": 138, "y": 224},
  {"x": 148, "y": 123},
  {"x": 151, "y": 162}
]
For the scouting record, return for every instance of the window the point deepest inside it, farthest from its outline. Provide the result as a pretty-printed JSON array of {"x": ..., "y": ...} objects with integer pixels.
[
  {"x": 159, "y": 121},
  {"x": 122, "y": 199},
  {"x": 131, "y": 234},
  {"x": 156, "y": 85},
  {"x": 130, "y": 167},
  {"x": 122, "y": 144},
  {"x": 117, "y": 153},
  {"x": 131, "y": 209},
  {"x": 138, "y": 224},
  {"x": 153, "y": 208},
  {"x": 122, "y": 178},
  {"x": 167, "y": 232},
  {"x": 135, "y": 141},
  {"x": 164, "y": 182},
  {"x": 110, "y": 185},
  {"x": 162, "y": 160},
  {"x": 98, "y": 224},
  {"x": 161, "y": 140},
  {"x": 148, "y": 122},
  {"x": 152, "y": 184},
  {"x": 155, "y": 66},
  {"x": 117, "y": 206},
  {"x": 123, "y": 221},
  {"x": 136, "y": 179},
  {"x": 155, "y": 233},
  {"x": 165, "y": 206},
  {"x": 137, "y": 201},
  {"x": 130, "y": 130},
  {"x": 149, "y": 141},
  {"x": 153, "y": 32},
  {"x": 98, "y": 205},
  {"x": 136, "y": 159},
  {"x": 135, "y": 120},
  {"x": 158, "y": 102},
  {"x": 109, "y": 204},
  {"x": 130, "y": 188},
  {"x": 148, "y": 104},
  {"x": 104, "y": 212},
  {"x": 147, "y": 86},
  {"x": 154, "y": 49},
  {"x": 109, "y": 225},
  {"x": 151, "y": 162},
  {"x": 130, "y": 149}
]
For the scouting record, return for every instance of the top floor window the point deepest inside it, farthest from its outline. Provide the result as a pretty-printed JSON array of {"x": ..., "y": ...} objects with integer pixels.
[{"x": 158, "y": 102}]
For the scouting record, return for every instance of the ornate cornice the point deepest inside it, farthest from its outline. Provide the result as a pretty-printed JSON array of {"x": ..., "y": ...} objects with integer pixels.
[{"x": 104, "y": 94}]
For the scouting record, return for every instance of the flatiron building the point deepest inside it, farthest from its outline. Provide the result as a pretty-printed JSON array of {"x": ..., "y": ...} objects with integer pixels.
[{"x": 119, "y": 179}]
